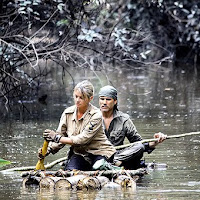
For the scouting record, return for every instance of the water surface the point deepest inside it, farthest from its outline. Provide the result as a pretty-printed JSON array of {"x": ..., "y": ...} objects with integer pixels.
[{"x": 156, "y": 99}]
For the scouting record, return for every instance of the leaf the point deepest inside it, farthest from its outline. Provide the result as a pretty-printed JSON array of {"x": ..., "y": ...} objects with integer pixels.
[
  {"x": 28, "y": 2},
  {"x": 81, "y": 37},
  {"x": 85, "y": 31},
  {"x": 29, "y": 9},
  {"x": 21, "y": 8},
  {"x": 88, "y": 38},
  {"x": 147, "y": 52},
  {"x": 62, "y": 22},
  {"x": 143, "y": 55},
  {"x": 60, "y": 7},
  {"x": 4, "y": 162}
]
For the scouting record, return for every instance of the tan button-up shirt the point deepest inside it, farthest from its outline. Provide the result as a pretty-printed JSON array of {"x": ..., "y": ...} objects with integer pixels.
[{"x": 86, "y": 133}]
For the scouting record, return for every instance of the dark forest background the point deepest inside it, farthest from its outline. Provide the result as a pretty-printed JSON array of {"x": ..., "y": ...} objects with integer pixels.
[{"x": 92, "y": 34}]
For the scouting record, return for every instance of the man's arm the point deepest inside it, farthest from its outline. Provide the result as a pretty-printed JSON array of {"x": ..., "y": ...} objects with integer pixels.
[
  {"x": 134, "y": 136},
  {"x": 54, "y": 147},
  {"x": 83, "y": 138},
  {"x": 160, "y": 136},
  {"x": 131, "y": 131}
]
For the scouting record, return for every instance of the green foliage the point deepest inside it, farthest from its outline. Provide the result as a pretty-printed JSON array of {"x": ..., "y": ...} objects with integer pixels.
[
  {"x": 89, "y": 35},
  {"x": 174, "y": 25},
  {"x": 62, "y": 22},
  {"x": 128, "y": 33},
  {"x": 4, "y": 162}
]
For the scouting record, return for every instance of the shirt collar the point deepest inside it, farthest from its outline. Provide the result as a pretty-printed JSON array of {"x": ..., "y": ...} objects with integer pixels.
[
  {"x": 116, "y": 114},
  {"x": 74, "y": 117}
]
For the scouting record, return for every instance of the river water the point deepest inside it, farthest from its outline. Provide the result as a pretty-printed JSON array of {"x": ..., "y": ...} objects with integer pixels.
[{"x": 157, "y": 99}]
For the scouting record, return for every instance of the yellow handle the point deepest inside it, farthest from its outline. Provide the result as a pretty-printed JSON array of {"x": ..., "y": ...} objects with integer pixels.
[{"x": 40, "y": 163}]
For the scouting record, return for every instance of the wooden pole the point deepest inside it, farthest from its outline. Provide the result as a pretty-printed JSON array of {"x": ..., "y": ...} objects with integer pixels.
[
  {"x": 155, "y": 139},
  {"x": 117, "y": 147},
  {"x": 48, "y": 166}
]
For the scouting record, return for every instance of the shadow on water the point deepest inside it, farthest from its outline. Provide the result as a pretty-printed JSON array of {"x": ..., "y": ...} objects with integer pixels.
[{"x": 156, "y": 99}]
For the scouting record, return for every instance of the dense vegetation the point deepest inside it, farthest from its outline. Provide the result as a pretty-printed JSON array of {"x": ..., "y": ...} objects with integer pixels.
[{"x": 91, "y": 34}]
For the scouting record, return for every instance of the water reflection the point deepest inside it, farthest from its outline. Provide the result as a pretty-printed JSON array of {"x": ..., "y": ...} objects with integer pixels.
[{"x": 157, "y": 100}]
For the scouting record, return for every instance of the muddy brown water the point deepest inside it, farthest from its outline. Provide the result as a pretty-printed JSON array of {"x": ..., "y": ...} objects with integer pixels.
[{"x": 157, "y": 100}]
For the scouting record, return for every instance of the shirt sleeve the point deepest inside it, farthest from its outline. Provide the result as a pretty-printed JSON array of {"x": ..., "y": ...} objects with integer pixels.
[
  {"x": 62, "y": 127},
  {"x": 134, "y": 136},
  {"x": 131, "y": 131},
  {"x": 89, "y": 132},
  {"x": 61, "y": 130},
  {"x": 147, "y": 148}
]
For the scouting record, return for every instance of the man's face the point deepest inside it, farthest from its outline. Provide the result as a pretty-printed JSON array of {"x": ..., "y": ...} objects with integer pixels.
[
  {"x": 80, "y": 101},
  {"x": 106, "y": 104}
]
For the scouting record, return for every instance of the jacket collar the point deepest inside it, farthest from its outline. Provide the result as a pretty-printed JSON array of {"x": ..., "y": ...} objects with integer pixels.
[
  {"x": 116, "y": 114},
  {"x": 89, "y": 110}
]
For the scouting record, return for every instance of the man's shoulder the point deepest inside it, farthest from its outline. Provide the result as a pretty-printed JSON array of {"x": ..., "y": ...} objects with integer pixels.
[
  {"x": 95, "y": 111},
  {"x": 70, "y": 109},
  {"x": 122, "y": 115}
]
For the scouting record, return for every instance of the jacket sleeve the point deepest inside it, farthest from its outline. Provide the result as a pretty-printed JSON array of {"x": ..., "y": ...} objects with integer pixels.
[
  {"x": 131, "y": 131},
  {"x": 62, "y": 130},
  {"x": 147, "y": 148},
  {"x": 89, "y": 132},
  {"x": 134, "y": 136}
]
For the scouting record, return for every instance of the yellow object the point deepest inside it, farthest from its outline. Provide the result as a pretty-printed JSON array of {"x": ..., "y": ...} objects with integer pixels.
[{"x": 40, "y": 163}]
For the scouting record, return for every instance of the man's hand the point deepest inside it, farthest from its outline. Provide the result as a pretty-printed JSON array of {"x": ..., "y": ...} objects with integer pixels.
[
  {"x": 160, "y": 136},
  {"x": 50, "y": 135},
  {"x": 40, "y": 156}
]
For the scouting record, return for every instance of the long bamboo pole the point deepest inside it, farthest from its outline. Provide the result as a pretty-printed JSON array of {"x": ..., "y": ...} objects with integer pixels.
[
  {"x": 155, "y": 139},
  {"x": 50, "y": 165}
]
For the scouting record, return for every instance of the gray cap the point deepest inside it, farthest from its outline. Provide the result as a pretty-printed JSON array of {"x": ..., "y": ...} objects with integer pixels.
[{"x": 108, "y": 91}]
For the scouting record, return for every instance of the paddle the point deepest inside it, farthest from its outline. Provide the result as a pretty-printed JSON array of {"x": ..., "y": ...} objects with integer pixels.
[
  {"x": 40, "y": 163},
  {"x": 155, "y": 139}
]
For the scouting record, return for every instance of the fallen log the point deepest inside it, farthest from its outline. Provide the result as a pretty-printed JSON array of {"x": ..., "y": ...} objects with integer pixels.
[
  {"x": 88, "y": 182},
  {"x": 73, "y": 180},
  {"x": 31, "y": 180},
  {"x": 59, "y": 183},
  {"x": 49, "y": 182},
  {"x": 103, "y": 180},
  {"x": 92, "y": 183}
]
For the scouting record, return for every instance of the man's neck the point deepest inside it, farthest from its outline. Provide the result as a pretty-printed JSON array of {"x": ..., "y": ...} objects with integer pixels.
[
  {"x": 80, "y": 112},
  {"x": 107, "y": 115},
  {"x": 107, "y": 118}
]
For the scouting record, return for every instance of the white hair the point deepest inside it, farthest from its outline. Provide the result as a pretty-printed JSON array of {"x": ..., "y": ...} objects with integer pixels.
[{"x": 86, "y": 88}]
